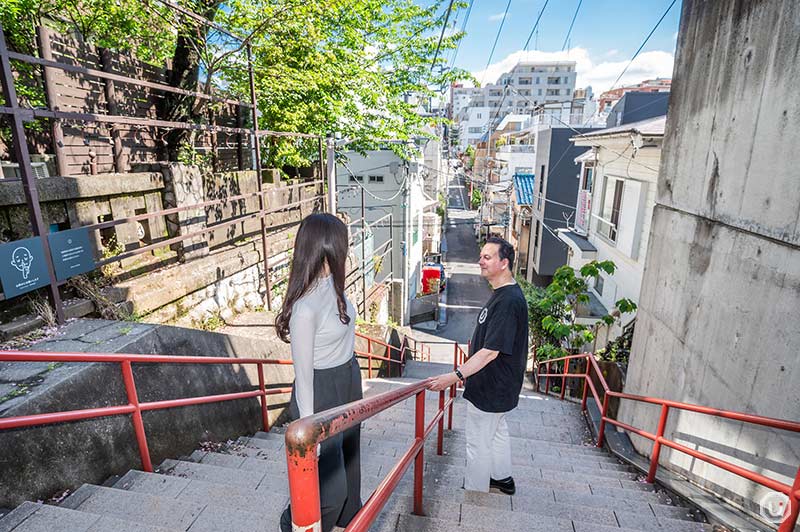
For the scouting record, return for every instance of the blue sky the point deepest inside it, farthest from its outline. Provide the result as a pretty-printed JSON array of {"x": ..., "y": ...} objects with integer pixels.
[{"x": 605, "y": 36}]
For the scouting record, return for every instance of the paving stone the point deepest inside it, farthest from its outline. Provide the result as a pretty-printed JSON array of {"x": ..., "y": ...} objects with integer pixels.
[
  {"x": 601, "y": 501},
  {"x": 651, "y": 522}
]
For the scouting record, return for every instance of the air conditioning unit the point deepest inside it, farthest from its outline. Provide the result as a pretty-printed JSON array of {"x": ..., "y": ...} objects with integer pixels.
[{"x": 11, "y": 170}]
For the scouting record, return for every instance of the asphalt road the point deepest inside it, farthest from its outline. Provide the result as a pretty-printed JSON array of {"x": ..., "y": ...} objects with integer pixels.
[{"x": 466, "y": 290}]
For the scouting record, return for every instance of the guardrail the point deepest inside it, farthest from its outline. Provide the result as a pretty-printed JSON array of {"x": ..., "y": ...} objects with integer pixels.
[
  {"x": 134, "y": 407},
  {"x": 369, "y": 355},
  {"x": 658, "y": 439},
  {"x": 303, "y": 435}
]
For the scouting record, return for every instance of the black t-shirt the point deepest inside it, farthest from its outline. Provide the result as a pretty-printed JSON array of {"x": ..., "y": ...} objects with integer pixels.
[{"x": 502, "y": 326}]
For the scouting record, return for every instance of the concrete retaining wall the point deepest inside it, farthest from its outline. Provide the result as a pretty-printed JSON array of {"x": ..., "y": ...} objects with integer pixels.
[{"x": 718, "y": 315}]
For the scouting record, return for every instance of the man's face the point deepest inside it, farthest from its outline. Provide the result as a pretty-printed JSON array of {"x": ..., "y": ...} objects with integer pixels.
[{"x": 490, "y": 263}]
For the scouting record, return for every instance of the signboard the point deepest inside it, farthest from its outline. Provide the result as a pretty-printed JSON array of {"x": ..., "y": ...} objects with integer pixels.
[
  {"x": 22, "y": 266},
  {"x": 584, "y": 210},
  {"x": 72, "y": 252}
]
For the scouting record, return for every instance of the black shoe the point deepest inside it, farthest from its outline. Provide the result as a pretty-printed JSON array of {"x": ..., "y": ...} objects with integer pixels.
[{"x": 505, "y": 485}]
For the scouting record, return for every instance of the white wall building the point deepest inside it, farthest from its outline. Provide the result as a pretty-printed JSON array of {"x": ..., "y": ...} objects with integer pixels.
[
  {"x": 616, "y": 197},
  {"x": 392, "y": 186}
]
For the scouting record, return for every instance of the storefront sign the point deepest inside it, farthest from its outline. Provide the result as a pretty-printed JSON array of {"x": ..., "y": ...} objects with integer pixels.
[{"x": 584, "y": 210}]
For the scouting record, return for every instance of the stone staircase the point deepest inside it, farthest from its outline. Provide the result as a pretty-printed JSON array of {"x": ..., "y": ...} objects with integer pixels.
[{"x": 563, "y": 482}]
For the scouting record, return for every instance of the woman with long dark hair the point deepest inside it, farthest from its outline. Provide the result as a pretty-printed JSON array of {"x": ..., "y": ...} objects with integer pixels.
[{"x": 319, "y": 322}]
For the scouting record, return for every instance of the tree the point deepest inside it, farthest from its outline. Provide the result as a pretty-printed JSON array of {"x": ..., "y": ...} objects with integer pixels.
[
  {"x": 533, "y": 296},
  {"x": 319, "y": 67},
  {"x": 565, "y": 293}
]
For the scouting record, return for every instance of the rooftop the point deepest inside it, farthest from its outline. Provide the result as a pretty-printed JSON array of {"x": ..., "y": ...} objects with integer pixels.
[{"x": 652, "y": 127}]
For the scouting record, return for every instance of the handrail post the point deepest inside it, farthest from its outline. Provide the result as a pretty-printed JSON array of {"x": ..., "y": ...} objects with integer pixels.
[
  {"x": 601, "y": 434},
  {"x": 440, "y": 436},
  {"x": 303, "y": 473},
  {"x": 662, "y": 423},
  {"x": 138, "y": 423},
  {"x": 793, "y": 512},
  {"x": 263, "y": 388},
  {"x": 547, "y": 378},
  {"x": 419, "y": 464},
  {"x": 586, "y": 378},
  {"x": 535, "y": 371},
  {"x": 450, "y": 409},
  {"x": 564, "y": 378}
]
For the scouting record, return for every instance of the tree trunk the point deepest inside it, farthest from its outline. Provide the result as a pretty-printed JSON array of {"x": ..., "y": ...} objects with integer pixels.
[{"x": 184, "y": 74}]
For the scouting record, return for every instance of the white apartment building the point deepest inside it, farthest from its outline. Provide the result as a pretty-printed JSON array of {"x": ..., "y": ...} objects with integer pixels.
[
  {"x": 616, "y": 197},
  {"x": 473, "y": 122},
  {"x": 395, "y": 187},
  {"x": 528, "y": 85}
]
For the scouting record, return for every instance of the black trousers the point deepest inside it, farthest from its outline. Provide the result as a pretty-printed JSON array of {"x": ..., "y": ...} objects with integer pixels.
[{"x": 340, "y": 456}]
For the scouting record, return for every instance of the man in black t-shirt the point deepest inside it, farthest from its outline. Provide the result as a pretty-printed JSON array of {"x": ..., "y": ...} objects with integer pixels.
[{"x": 493, "y": 372}]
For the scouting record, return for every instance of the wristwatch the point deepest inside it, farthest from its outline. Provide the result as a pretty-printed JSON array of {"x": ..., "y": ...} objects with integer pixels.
[{"x": 459, "y": 374}]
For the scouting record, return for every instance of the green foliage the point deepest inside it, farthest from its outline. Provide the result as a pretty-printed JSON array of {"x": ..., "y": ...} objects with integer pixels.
[
  {"x": 319, "y": 67},
  {"x": 557, "y": 310},
  {"x": 536, "y": 314},
  {"x": 476, "y": 198}
]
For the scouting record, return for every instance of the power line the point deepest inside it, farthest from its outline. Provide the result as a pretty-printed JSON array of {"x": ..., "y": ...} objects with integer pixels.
[
  {"x": 566, "y": 40},
  {"x": 497, "y": 38},
  {"x": 463, "y": 29},
  {"x": 644, "y": 43},
  {"x": 536, "y": 25},
  {"x": 441, "y": 35}
]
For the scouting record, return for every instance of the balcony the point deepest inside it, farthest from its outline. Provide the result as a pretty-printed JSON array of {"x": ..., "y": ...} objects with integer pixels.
[{"x": 516, "y": 148}]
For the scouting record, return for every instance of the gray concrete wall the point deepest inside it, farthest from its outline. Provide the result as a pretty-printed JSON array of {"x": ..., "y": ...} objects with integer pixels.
[{"x": 717, "y": 322}]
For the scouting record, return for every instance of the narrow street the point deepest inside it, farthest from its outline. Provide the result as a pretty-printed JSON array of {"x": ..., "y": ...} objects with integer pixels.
[{"x": 466, "y": 290}]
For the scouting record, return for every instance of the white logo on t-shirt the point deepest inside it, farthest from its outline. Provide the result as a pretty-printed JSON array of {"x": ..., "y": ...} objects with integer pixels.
[{"x": 482, "y": 316}]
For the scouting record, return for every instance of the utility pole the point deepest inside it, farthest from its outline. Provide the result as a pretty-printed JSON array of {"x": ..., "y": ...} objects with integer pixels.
[{"x": 331, "y": 167}]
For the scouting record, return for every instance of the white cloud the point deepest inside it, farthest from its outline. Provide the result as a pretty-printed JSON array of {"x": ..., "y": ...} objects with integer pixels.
[
  {"x": 600, "y": 75},
  {"x": 496, "y": 17},
  {"x": 612, "y": 53}
]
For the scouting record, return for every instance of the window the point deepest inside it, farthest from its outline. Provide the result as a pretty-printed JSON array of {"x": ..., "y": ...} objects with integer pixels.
[
  {"x": 538, "y": 80},
  {"x": 598, "y": 285},
  {"x": 541, "y": 187},
  {"x": 475, "y": 130},
  {"x": 553, "y": 92},
  {"x": 536, "y": 241},
  {"x": 554, "y": 81},
  {"x": 540, "y": 92},
  {"x": 376, "y": 179},
  {"x": 479, "y": 116},
  {"x": 354, "y": 178},
  {"x": 610, "y": 204},
  {"x": 588, "y": 176}
]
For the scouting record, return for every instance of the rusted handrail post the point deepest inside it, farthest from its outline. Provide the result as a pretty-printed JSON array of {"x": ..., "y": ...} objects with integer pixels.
[
  {"x": 602, "y": 432},
  {"x": 263, "y": 388},
  {"x": 662, "y": 423},
  {"x": 440, "y": 436},
  {"x": 419, "y": 463},
  {"x": 450, "y": 408},
  {"x": 547, "y": 378},
  {"x": 138, "y": 423},
  {"x": 564, "y": 378},
  {"x": 586, "y": 378}
]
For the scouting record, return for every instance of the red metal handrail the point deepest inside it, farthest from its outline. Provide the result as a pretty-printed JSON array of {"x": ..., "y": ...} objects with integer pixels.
[
  {"x": 369, "y": 355},
  {"x": 658, "y": 439},
  {"x": 303, "y": 436},
  {"x": 134, "y": 407}
]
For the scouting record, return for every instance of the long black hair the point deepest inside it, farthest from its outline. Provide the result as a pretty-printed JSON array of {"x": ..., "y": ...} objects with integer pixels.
[{"x": 321, "y": 238}]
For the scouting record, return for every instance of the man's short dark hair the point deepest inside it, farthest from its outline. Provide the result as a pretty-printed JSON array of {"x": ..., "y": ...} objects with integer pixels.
[{"x": 505, "y": 250}]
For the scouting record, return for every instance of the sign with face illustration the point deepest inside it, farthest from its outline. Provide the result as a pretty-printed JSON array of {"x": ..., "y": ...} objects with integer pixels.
[{"x": 22, "y": 266}]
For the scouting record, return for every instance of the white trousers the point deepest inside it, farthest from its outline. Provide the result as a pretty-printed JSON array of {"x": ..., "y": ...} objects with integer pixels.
[{"x": 488, "y": 448}]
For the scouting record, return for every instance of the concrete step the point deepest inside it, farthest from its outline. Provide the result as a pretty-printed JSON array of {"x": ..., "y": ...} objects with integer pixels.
[
  {"x": 35, "y": 517},
  {"x": 135, "y": 507},
  {"x": 210, "y": 473},
  {"x": 198, "y": 491}
]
